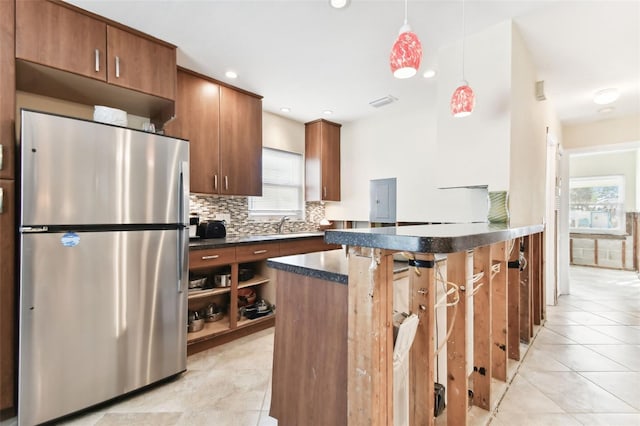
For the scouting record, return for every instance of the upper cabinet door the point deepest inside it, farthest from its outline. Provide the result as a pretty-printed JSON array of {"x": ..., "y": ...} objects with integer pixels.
[
  {"x": 53, "y": 35},
  {"x": 197, "y": 119},
  {"x": 330, "y": 162},
  {"x": 138, "y": 63},
  {"x": 240, "y": 143},
  {"x": 322, "y": 161},
  {"x": 7, "y": 90}
]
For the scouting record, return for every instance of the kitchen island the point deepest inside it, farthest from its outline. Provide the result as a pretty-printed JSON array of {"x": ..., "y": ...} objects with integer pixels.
[{"x": 494, "y": 273}]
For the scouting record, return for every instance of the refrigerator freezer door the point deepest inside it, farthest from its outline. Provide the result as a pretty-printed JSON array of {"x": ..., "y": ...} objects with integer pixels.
[
  {"x": 94, "y": 324},
  {"x": 77, "y": 172}
]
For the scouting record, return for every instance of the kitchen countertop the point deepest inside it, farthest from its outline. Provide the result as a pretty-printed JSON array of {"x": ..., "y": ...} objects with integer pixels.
[
  {"x": 329, "y": 265},
  {"x": 236, "y": 240},
  {"x": 443, "y": 238}
]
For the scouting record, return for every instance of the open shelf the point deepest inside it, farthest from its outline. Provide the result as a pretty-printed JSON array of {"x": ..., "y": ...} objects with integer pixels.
[
  {"x": 246, "y": 322},
  {"x": 197, "y": 294},
  {"x": 257, "y": 280},
  {"x": 210, "y": 329}
]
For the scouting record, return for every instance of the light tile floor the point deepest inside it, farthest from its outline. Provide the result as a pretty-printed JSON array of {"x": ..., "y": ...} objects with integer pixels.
[{"x": 583, "y": 368}]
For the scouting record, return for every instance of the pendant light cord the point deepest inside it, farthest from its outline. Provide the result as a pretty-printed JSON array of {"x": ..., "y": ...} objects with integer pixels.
[
  {"x": 405, "y": 12},
  {"x": 463, "y": 40}
]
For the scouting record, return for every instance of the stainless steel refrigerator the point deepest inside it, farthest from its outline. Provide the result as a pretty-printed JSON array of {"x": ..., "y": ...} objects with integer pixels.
[{"x": 103, "y": 263}]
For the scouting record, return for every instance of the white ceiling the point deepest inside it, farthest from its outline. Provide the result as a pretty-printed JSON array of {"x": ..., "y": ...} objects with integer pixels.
[{"x": 304, "y": 55}]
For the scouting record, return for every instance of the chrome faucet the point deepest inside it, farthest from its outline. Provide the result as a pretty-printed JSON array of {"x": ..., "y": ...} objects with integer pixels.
[{"x": 281, "y": 223}]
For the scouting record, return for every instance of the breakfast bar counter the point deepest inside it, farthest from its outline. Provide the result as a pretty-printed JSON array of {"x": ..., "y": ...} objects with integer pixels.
[{"x": 493, "y": 277}]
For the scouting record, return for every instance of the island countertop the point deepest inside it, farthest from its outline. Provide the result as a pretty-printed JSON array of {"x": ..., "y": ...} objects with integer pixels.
[
  {"x": 330, "y": 265},
  {"x": 442, "y": 238}
]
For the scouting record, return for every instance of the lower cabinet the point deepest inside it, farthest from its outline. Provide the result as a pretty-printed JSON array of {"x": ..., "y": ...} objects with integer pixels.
[{"x": 232, "y": 291}]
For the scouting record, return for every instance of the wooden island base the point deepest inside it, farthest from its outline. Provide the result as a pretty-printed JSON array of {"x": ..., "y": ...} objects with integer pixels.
[{"x": 333, "y": 353}]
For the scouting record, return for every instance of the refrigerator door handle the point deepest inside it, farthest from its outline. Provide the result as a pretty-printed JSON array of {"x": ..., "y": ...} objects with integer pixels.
[
  {"x": 184, "y": 194},
  {"x": 183, "y": 211}
]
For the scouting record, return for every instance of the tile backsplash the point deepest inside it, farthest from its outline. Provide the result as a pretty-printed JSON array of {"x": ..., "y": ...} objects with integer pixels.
[{"x": 237, "y": 207}]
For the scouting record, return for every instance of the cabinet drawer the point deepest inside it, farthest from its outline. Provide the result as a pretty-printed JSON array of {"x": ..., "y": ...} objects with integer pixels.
[
  {"x": 252, "y": 252},
  {"x": 307, "y": 245},
  {"x": 211, "y": 257}
]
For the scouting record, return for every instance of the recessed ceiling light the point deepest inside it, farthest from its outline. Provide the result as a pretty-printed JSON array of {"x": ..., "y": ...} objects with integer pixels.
[
  {"x": 606, "y": 96},
  {"x": 327, "y": 112},
  {"x": 285, "y": 109},
  {"x": 606, "y": 110},
  {"x": 231, "y": 74},
  {"x": 430, "y": 73},
  {"x": 339, "y": 4}
]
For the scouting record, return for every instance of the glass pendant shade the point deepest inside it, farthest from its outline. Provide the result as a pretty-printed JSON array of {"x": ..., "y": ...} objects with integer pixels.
[
  {"x": 406, "y": 54},
  {"x": 463, "y": 100}
]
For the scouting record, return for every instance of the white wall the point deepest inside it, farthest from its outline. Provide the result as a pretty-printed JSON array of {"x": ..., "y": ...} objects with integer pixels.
[
  {"x": 602, "y": 132},
  {"x": 529, "y": 122},
  {"x": 474, "y": 150},
  {"x": 396, "y": 142},
  {"x": 282, "y": 133}
]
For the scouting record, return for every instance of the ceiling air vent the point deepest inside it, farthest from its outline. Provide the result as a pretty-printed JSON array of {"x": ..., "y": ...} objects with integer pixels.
[{"x": 383, "y": 101}]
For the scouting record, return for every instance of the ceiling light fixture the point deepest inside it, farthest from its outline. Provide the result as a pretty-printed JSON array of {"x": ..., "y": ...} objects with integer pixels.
[
  {"x": 231, "y": 74},
  {"x": 406, "y": 53},
  {"x": 327, "y": 112},
  {"x": 430, "y": 73},
  {"x": 463, "y": 100},
  {"x": 606, "y": 96},
  {"x": 285, "y": 109},
  {"x": 339, "y": 4}
]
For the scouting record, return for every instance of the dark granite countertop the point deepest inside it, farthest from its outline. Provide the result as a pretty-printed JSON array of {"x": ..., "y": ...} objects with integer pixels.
[
  {"x": 236, "y": 240},
  {"x": 331, "y": 265},
  {"x": 445, "y": 238}
]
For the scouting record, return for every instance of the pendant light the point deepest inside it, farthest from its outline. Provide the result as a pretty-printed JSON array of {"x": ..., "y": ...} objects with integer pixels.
[
  {"x": 406, "y": 53},
  {"x": 463, "y": 100}
]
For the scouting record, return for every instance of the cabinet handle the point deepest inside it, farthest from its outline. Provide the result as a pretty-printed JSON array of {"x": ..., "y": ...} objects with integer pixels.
[
  {"x": 97, "y": 60},
  {"x": 259, "y": 251},
  {"x": 226, "y": 182},
  {"x": 1, "y": 200},
  {"x": 324, "y": 191},
  {"x": 214, "y": 256},
  {"x": 215, "y": 181},
  {"x": 1, "y": 157},
  {"x": 117, "y": 67}
]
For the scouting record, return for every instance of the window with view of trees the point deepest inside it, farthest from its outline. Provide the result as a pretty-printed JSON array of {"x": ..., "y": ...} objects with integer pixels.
[
  {"x": 282, "y": 186},
  {"x": 597, "y": 204}
]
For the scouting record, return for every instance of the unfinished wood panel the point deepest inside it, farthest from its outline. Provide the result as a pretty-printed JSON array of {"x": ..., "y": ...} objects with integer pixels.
[
  {"x": 370, "y": 338},
  {"x": 310, "y": 361},
  {"x": 482, "y": 336},
  {"x": 513, "y": 302},
  {"x": 543, "y": 284},
  {"x": 536, "y": 279},
  {"x": 499, "y": 330},
  {"x": 457, "y": 379},
  {"x": 526, "y": 329},
  {"x": 8, "y": 284},
  {"x": 421, "y": 356}
]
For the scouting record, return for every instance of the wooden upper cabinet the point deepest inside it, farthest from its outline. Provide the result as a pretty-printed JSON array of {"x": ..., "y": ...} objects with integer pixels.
[
  {"x": 56, "y": 36},
  {"x": 7, "y": 90},
  {"x": 240, "y": 143},
  {"x": 197, "y": 119},
  {"x": 69, "y": 39},
  {"x": 141, "y": 64},
  {"x": 224, "y": 129},
  {"x": 322, "y": 161}
]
